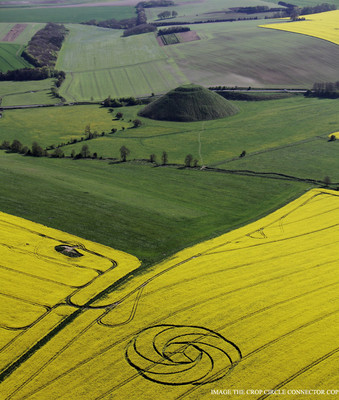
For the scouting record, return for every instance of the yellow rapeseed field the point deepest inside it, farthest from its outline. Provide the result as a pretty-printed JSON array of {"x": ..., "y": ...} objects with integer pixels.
[
  {"x": 39, "y": 282},
  {"x": 323, "y": 26},
  {"x": 252, "y": 311}
]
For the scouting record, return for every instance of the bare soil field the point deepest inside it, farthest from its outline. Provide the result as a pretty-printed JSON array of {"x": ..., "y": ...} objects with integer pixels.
[{"x": 14, "y": 33}]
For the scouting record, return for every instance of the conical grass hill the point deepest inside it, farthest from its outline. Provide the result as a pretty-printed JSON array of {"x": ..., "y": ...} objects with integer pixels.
[{"x": 189, "y": 103}]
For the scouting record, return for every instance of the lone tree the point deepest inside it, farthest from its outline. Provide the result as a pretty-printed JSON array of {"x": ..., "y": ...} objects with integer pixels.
[
  {"x": 136, "y": 123},
  {"x": 85, "y": 153},
  {"x": 327, "y": 181},
  {"x": 153, "y": 158},
  {"x": 188, "y": 160},
  {"x": 124, "y": 152},
  {"x": 164, "y": 158},
  {"x": 119, "y": 115}
]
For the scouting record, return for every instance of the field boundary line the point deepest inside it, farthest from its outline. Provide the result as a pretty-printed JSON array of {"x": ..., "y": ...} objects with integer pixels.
[{"x": 271, "y": 149}]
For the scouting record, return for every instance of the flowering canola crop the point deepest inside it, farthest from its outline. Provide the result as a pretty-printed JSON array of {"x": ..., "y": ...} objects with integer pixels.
[
  {"x": 251, "y": 311},
  {"x": 323, "y": 26}
]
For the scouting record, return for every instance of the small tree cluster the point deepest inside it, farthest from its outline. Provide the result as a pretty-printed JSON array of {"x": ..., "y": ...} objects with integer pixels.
[
  {"x": 136, "y": 123},
  {"x": 167, "y": 14},
  {"x": 120, "y": 102},
  {"x": 124, "y": 152}
]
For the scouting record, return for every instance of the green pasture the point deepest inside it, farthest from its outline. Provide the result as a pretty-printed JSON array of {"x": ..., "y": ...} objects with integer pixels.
[
  {"x": 315, "y": 159},
  {"x": 54, "y": 125},
  {"x": 148, "y": 212},
  {"x": 10, "y": 57},
  {"x": 99, "y": 62},
  {"x": 257, "y": 127},
  {"x": 26, "y": 93},
  {"x": 240, "y": 53},
  {"x": 65, "y": 14}
]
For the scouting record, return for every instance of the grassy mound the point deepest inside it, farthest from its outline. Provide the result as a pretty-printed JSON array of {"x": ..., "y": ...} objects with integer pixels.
[{"x": 189, "y": 103}]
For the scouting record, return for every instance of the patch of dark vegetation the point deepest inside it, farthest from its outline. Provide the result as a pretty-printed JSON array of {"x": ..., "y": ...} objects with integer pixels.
[
  {"x": 122, "y": 102},
  {"x": 113, "y": 23},
  {"x": 293, "y": 11},
  {"x": 156, "y": 3},
  {"x": 137, "y": 30},
  {"x": 33, "y": 74},
  {"x": 167, "y": 14},
  {"x": 69, "y": 251},
  {"x": 168, "y": 23},
  {"x": 327, "y": 90},
  {"x": 256, "y": 9},
  {"x": 189, "y": 103},
  {"x": 324, "y": 7},
  {"x": 174, "y": 29},
  {"x": 232, "y": 95},
  {"x": 42, "y": 49}
]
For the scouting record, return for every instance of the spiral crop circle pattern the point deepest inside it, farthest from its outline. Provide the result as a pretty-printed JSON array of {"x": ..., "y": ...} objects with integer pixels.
[{"x": 181, "y": 355}]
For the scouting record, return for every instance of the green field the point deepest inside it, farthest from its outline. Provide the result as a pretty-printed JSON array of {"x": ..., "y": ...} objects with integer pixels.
[
  {"x": 148, "y": 212},
  {"x": 258, "y": 126},
  {"x": 10, "y": 57},
  {"x": 24, "y": 36},
  {"x": 189, "y": 11},
  {"x": 53, "y": 125},
  {"x": 26, "y": 93},
  {"x": 99, "y": 62},
  {"x": 240, "y": 53},
  {"x": 65, "y": 14},
  {"x": 315, "y": 159}
]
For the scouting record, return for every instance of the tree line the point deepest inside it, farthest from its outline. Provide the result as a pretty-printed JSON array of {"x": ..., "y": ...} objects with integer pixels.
[
  {"x": 156, "y": 3},
  {"x": 37, "y": 151},
  {"x": 33, "y": 74},
  {"x": 173, "y": 29},
  {"x": 325, "y": 90},
  {"x": 293, "y": 11}
]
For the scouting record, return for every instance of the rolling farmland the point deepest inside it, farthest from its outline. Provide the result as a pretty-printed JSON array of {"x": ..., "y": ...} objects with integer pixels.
[
  {"x": 11, "y": 46},
  {"x": 257, "y": 128},
  {"x": 277, "y": 281},
  {"x": 240, "y": 53},
  {"x": 151, "y": 279},
  {"x": 64, "y": 14},
  {"x": 323, "y": 26},
  {"x": 98, "y": 65}
]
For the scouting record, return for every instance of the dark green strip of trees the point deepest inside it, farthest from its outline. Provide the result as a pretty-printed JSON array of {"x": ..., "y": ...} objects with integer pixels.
[{"x": 42, "y": 49}]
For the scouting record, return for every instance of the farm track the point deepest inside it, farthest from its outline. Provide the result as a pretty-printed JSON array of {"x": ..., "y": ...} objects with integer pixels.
[{"x": 138, "y": 292}]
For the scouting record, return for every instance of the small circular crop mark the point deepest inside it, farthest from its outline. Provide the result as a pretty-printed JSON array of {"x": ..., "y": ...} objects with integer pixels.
[{"x": 181, "y": 355}]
